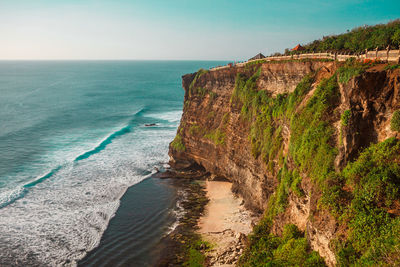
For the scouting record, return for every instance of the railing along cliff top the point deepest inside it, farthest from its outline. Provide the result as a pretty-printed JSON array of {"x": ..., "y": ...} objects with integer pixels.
[{"x": 384, "y": 55}]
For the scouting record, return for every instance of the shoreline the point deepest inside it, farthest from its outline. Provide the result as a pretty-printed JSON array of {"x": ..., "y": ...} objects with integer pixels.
[
  {"x": 203, "y": 221},
  {"x": 145, "y": 213},
  {"x": 171, "y": 235},
  {"x": 173, "y": 249},
  {"x": 215, "y": 223},
  {"x": 225, "y": 224}
]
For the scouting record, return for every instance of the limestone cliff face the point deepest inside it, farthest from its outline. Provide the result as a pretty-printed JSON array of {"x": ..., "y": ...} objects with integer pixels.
[
  {"x": 233, "y": 159},
  {"x": 213, "y": 134}
]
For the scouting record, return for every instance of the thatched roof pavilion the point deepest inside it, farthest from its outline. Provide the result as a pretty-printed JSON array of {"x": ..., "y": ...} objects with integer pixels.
[{"x": 258, "y": 56}]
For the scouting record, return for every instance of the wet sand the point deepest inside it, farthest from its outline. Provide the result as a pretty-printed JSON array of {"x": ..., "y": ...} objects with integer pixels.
[{"x": 225, "y": 224}]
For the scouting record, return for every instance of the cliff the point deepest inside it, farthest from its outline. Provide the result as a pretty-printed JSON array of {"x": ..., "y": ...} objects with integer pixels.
[{"x": 280, "y": 131}]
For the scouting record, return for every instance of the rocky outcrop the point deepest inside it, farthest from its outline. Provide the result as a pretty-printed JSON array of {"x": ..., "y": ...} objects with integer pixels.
[
  {"x": 214, "y": 135},
  {"x": 371, "y": 99},
  {"x": 205, "y": 113}
]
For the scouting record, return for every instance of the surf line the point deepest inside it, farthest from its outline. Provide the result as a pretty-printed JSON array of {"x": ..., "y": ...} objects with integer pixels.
[{"x": 21, "y": 192}]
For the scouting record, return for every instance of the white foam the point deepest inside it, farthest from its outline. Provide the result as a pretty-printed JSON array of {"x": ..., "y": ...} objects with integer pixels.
[
  {"x": 178, "y": 211},
  {"x": 171, "y": 116},
  {"x": 11, "y": 194},
  {"x": 62, "y": 218}
]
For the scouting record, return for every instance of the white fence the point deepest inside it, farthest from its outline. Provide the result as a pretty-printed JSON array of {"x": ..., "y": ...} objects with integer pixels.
[{"x": 384, "y": 55}]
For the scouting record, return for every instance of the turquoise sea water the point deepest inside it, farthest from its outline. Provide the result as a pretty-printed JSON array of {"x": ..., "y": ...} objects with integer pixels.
[{"x": 72, "y": 140}]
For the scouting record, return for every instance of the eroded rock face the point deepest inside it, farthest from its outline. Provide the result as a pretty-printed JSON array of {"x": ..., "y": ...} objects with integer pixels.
[
  {"x": 371, "y": 98},
  {"x": 233, "y": 159}
]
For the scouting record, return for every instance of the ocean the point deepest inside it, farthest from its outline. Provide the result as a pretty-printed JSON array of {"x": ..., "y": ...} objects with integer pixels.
[{"x": 73, "y": 139}]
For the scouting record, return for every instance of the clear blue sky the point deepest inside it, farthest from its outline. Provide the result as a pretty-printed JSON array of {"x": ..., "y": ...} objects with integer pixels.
[{"x": 175, "y": 29}]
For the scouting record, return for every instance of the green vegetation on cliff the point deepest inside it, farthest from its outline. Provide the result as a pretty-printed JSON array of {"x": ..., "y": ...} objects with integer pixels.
[
  {"x": 310, "y": 145},
  {"x": 310, "y": 151},
  {"x": 266, "y": 249},
  {"x": 370, "y": 210},
  {"x": 392, "y": 67},
  {"x": 350, "y": 69},
  {"x": 359, "y": 39},
  {"x": 345, "y": 117},
  {"x": 177, "y": 143},
  {"x": 196, "y": 250},
  {"x": 364, "y": 197},
  {"x": 395, "y": 121},
  {"x": 217, "y": 136}
]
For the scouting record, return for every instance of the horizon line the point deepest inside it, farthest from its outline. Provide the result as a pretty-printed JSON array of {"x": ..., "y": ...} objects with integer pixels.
[{"x": 119, "y": 60}]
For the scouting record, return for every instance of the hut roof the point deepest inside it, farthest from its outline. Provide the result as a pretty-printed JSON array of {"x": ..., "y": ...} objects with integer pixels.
[
  {"x": 258, "y": 56},
  {"x": 298, "y": 48}
]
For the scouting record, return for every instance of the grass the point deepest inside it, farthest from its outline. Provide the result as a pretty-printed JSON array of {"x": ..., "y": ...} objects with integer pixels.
[
  {"x": 292, "y": 249},
  {"x": 395, "y": 121},
  {"x": 311, "y": 145},
  {"x": 350, "y": 69},
  {"x": 177, "y": 143},
  {"x": 288, "y": 180},
  {"x": 217, "y": 136},
  {"x": 199, "y": 90},
  {"x": 266, "y": 115},
  {"x": 345, "y": 117},
  {"x": 195, "y": 255},
  {"x": 392, "y": 67},
  {"x": 255, "y": 62},
  {"x": 374, "y": 233},
  {"x": 199, "y": 73}
]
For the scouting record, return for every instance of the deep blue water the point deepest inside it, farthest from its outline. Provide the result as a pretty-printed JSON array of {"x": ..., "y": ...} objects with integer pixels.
[{"x": 72, "y": 140}]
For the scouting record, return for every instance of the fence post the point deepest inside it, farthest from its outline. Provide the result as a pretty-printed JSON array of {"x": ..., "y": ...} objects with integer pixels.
[
  {"x": 398, "y": 54},
  {"x": 387, "y": 53}
]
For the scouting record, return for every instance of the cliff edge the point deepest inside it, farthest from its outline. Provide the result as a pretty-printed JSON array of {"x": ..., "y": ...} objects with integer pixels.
[{"x": 288, "y": 136}]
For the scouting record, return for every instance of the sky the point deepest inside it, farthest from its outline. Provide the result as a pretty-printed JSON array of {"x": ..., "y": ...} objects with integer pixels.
[{"x": 175, "y": 29}]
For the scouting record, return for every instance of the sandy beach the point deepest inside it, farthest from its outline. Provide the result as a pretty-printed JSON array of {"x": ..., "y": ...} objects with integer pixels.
[{"x": 225, "y": 224}]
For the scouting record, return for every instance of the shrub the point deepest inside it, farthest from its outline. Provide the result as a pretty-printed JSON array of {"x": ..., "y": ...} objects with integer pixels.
[
  {"x": 295, "y": 187},
  {"x": 311, "y": 136},
  {"x": 217, "y": 136},
  {"x": 351, "y": 68},
  {"x": 199, "y": 73},
  {"x": 360, "y": 38},
  {"x": 373, "y": 233},
  {"x": 311, "y": 148},
  {"x": 345, "y": 117},
  {"x": 392, "y": 67},
  {"x": 291, "y": 249},
  {"x": 195, "y": 256},
  {"x": 177, "y": 143},
  {"x": 395, "y": 121}
]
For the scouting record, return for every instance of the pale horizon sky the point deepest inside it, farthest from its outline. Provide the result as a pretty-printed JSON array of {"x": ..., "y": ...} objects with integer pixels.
[{"x": 175, "y": 29}]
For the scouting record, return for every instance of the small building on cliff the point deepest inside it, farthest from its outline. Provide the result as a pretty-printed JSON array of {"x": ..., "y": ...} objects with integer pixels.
[
  {"x": 298, "y": 48},
  {"x": 258, "y": 56}
]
